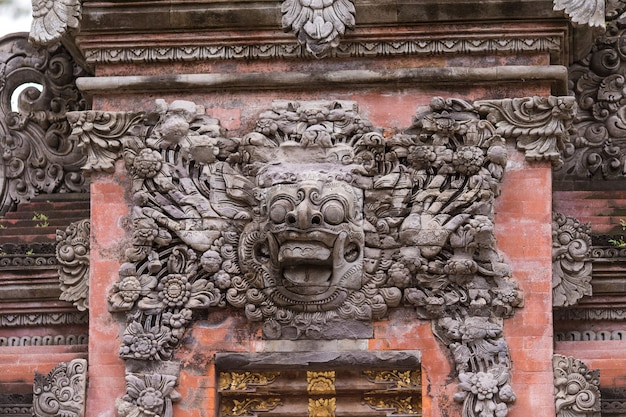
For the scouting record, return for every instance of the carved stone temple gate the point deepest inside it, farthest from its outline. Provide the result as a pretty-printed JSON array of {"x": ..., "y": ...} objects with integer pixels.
[{"x": 316, "y": 208}]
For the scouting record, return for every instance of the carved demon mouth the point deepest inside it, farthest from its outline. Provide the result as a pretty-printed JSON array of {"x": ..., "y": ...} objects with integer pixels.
[{"x": 312, "y": 268}]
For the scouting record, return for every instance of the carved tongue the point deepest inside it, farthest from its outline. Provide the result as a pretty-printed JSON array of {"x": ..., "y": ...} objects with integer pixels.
[{"x": 308, "y": 275}]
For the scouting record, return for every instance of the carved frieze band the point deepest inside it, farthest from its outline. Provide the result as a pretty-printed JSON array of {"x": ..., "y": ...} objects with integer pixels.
[
  {"x": 426, "y": 46},
  {"x": 576, "y": 388},
  {"x": 37, "y": 90},
  {"x": 72, "y": 254},
  {"x": 43, "y": 319},
  {"x": 64, "y": 339},
  {"x": 571, "y": 266},
  {"x": 61, "y": 392}
]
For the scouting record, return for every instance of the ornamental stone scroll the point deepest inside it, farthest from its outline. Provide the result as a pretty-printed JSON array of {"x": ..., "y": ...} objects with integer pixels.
[{"x": 315, "y": 225}]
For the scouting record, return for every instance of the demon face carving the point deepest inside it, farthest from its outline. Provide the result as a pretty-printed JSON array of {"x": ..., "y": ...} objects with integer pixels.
[{"x": 311, "y": 246}]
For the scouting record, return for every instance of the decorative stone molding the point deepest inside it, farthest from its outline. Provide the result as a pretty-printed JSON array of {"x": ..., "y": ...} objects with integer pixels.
[
  {"x": 540, "y": 125},
  {"x": 598, "y": 150},
  {"x": 52, "y": 20},
  {"x": 62, "y": 391},
  {"x": 37, "y": 157},
  {"x": 43, "y": 319},
  {"x": 589, "y": 335},
  {"x": 72, "y": 254},
  {"x": 571, "y": 268},
  {"x": 58, "y": 340},
  {"x": 16, "y": 405},
  {"x": 315, "y": 224},
  {"x": 576, "y": 388},
  {"x": 318, "y": 25},
  {"x": 608, "y": 313},
  {"x": 424, "y": 46}
]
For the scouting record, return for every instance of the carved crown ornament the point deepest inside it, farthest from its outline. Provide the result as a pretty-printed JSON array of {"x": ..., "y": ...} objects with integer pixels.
[
  {"x": 315, "y": 225},
  {"x": 36, "y": 90}
]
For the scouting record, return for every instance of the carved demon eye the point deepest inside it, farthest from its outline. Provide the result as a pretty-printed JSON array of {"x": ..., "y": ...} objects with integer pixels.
[
  {"x": 333, "y": 212},
  {"x": 279, "y": 209}
]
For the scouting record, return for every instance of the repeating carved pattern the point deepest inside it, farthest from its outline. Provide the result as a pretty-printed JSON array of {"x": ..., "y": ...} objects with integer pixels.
[
  {"x": 241, "y": 381},
  {"x": 318, "y": 24},
  {"x": 425, "y": 46},
  {"x": 609, "y": 313},
  {"x": 37, "y": 156},
  {"x": 316, "y": 225},
  {"x": 69, "y": 339},
  {"x": 598, "y": 147},
  {"x": 53, "y": 19},
  {"x": 590, "y": 335},
  {"x": 577, "y": 393},
  {"x": 73, "y": 258},
  {"x": 42, "y": 319},
  {"x": 62, "y": 391},
  {"x": 571, "y": 270}
]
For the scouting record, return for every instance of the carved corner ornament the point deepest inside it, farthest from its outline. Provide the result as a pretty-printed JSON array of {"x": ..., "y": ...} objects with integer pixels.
[
  {"x": 571, "y": 268},
  {"x": 318, "y": 24},
  {"x": 53, "y": 19},
  {"x": 61, "y": 392},
  {"x": 72, "y": 253},
  {"x": 577, "y": 392},
  {"x": 583, "y": 12},
  {"x": 597, "y": 150},
  {"x": 36, "y": 90},
  {"x": 315, "y": 225}
]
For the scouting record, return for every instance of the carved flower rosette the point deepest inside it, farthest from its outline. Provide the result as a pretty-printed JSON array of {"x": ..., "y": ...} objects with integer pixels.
[{"x": 315, "y": 225}]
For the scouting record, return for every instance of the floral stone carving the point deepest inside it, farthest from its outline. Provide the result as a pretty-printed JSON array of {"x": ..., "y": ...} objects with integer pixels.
[
  {"x": 318, "y": 24},
  {"x": 571, "y": 270},
  {"x": 37, "y": 156},
  {"x": 53, "y": 19},
  {"x": 577, "y": 392},
  {"x": 72, "y": 254},
  {"x": 315, "y": 224},
  {"x": 62, "y": 391}
]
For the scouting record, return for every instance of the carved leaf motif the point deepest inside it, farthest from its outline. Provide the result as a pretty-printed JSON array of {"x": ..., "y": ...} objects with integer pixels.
[
  {"x": 571, "y": 270},
  {"x": 72, "y": 253},
  {"x": 53, "y": 19},
  {"x": 62, "y": 391},
  {"x": 318, "y": 24},
  {"x": 577, "y": 391},
  {"x": 584, "y": 12}
]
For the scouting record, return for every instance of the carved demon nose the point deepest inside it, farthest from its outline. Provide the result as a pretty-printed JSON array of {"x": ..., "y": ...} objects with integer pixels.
[{"x": 304, "y": 216}]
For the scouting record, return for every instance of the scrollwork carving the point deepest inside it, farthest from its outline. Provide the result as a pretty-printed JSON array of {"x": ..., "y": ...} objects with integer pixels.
[
  {"x": 53, "y": 19},
  {"x": 36, "y": 89},
  {"x": 62, "y": 391},
  {"x": 318, "y": 24},
  {"x": 72, "y": 254},
  {"x": 576, "y": 388},
  {"x": 540, "y": 125},
  {"x": 571, "y": 270}
]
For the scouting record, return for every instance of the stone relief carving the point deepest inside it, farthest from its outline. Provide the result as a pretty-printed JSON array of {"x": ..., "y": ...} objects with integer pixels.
[
  {"x": 62, "y": 391},
  {"x": 53, "y": 19},
  {"x": 42, "y": 319},
  {"x": 150, "y": 392},
  {"x": 318, "y": 24},
  {"x": 315, "y": 224},
  {"x": 576, "y": 388},
  {"x": 571, "y": 268},
  {"x": 65, "y": 339},
  {"x": 598, "y": 149},
  {"x": 72, "y": 253},
  {"x": 583, "y": 12},
  {"x": 37, "y": 90}
]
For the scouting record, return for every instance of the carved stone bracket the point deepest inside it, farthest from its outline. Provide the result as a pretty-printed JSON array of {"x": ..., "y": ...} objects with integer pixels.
[
  {"x": 315, "y": 224},
  {"x": 571, "y": 268},
  {"x": 62, "y": 391},
  {"x": 72, "y": 254},
  {"x": 576, "y": 388},
  {"x": 52, "y": 20},
  {"x": 36, "y": 89},
  {"x": 318, "y": 25},
  {"x": 540, "y": 125}
]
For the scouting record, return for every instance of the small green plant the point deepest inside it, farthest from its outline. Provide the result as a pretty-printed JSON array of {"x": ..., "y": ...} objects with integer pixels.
[
  {"x": 30, "y": 252},
  {"x": 41, "y": 218},
  {"x": 620, "y": 243}
]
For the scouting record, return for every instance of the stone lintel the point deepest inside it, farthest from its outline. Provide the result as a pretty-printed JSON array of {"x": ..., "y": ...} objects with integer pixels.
[
  {"x": 554, "y": 74},
  {"x": 318, "y": 360}
]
